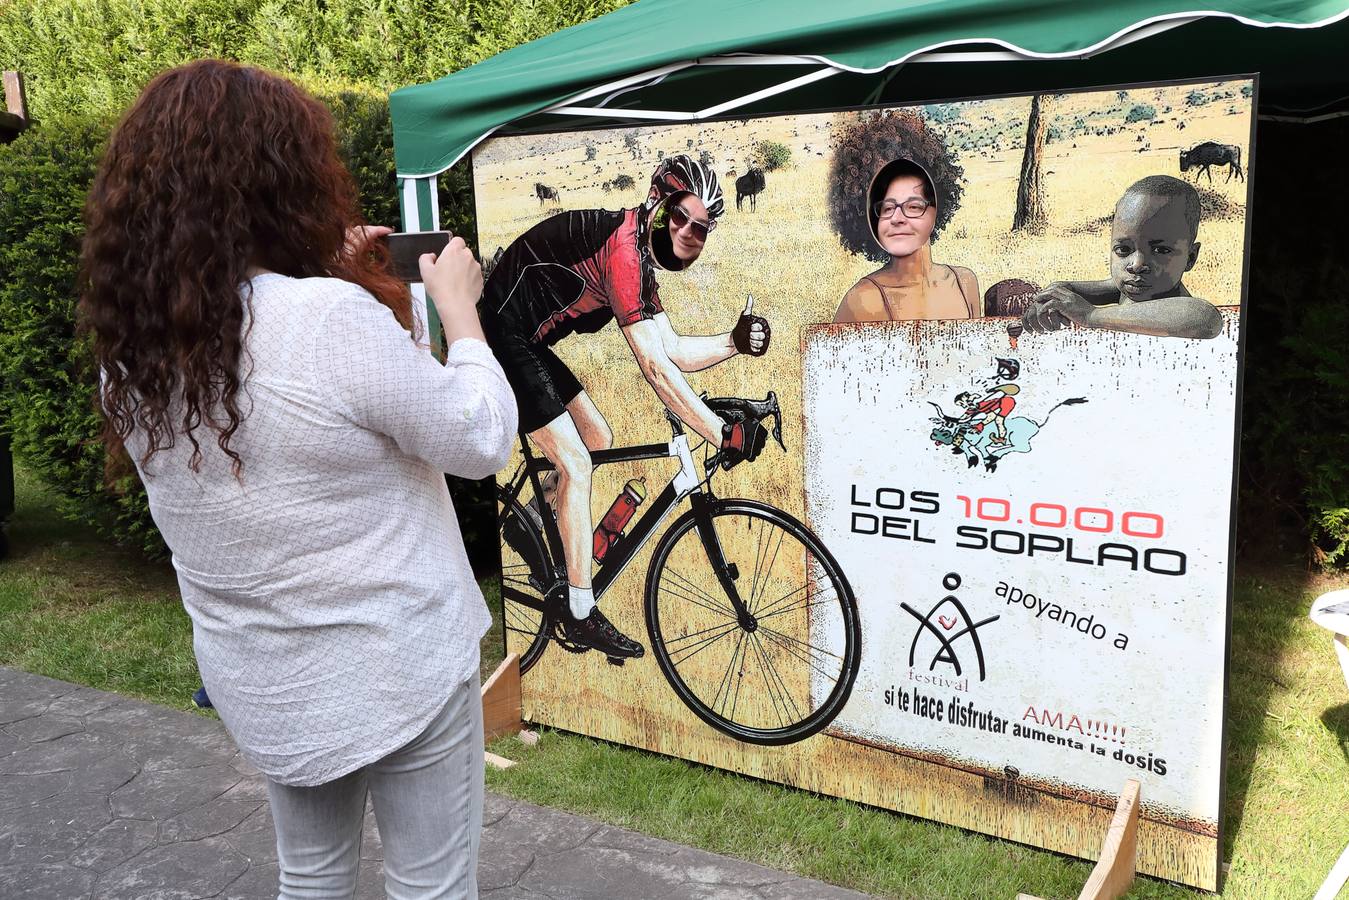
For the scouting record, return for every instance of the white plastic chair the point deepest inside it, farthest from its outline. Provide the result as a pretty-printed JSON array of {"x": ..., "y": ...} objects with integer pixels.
[{"x": 1331, "y": 611}]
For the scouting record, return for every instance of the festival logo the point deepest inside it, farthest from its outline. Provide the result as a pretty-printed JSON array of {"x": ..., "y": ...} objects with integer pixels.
[{"x": 939, "y": 624}]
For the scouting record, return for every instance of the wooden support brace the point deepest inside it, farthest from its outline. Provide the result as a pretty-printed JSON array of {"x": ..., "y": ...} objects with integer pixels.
[
  {"x": 499, "y": 762},
  {"x": 1114, "y": 871},
  {"x": 501, "y": 700},
  {"x": 15, "y": 117},
  {"x": 16, "y": 101}
]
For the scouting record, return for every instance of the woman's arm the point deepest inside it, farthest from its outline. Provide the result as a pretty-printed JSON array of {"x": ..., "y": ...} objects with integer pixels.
[
  {"x": 862, "y": 303},
  {"x": 969, "y": 288},
  {"x": 459, "y": 417}
]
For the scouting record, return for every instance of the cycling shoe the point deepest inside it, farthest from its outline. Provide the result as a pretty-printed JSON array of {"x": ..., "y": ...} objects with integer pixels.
[{"x": 597, "y": 633}]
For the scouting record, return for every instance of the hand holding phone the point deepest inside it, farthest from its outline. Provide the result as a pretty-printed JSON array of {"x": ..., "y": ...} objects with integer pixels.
[
  {"x": 452, "y": 277},
  {"x": 451, "y": 274},
  {"x": 405, "y": 248}
]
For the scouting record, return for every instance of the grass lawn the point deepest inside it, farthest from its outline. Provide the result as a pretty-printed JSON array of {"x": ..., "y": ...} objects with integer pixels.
[{"x": 75, "y": 608}]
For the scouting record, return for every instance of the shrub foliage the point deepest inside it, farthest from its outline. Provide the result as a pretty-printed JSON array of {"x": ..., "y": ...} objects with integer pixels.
[
  {"x": 1141, "y": 112},
  {"x": 772, "y": 155},
  {"x": 46, "y": 387},
  {"x": 1294, "y": 466}
]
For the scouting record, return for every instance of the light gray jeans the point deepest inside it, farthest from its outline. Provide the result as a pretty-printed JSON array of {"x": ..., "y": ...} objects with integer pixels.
[{"x": 427, "y": 797}]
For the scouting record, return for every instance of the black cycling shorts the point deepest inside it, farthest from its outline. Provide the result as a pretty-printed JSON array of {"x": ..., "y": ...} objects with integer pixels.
[{"x": 542, "y": 383}]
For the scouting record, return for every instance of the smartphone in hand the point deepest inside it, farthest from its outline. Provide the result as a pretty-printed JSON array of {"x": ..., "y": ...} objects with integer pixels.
[{"x": 405, "y": 248}]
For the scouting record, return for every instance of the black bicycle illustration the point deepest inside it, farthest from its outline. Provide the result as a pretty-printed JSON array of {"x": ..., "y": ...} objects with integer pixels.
[{"x": 750, "y": 618}]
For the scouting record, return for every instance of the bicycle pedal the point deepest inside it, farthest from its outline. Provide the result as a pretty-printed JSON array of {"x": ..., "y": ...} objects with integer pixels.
[{"x": 615, "y": 660}]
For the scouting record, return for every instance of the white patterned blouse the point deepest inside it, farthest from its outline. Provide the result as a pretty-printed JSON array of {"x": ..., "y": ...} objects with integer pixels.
[{"x": 333, "y": 609}]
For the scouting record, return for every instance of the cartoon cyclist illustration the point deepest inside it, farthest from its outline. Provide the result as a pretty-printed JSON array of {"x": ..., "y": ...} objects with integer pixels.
[{"x": 571, "y": 274}]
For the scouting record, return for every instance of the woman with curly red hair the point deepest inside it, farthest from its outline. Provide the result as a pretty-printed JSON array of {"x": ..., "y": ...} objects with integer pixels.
[{"x": 262, "y": 369}]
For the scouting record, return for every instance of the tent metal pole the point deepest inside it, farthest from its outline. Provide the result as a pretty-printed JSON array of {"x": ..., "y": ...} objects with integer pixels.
[
  {"x": 817, "y": 75},
  {"x": 677, "y": 116},
  {"x": 621, "y": 83},
  {"x": 419, "y": 208},
  {"x": 661, "y": 115},
  {"x": 758, "y": 59}
]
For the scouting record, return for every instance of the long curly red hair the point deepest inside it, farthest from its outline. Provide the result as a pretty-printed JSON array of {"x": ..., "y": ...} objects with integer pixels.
[{"x": 217, "y": 167}]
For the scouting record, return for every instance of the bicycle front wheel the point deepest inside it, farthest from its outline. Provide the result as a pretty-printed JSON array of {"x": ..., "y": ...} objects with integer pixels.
[{"x": 787, "y": 671}]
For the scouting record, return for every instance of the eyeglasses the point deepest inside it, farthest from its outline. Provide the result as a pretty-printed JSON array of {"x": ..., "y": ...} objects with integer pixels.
[
  {"x": 912, "y": 209},
  {"x": 679, "y": 217}
]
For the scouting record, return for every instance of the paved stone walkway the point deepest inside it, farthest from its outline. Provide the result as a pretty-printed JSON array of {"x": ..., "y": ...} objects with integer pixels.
[{"x": 107, "y": 798}]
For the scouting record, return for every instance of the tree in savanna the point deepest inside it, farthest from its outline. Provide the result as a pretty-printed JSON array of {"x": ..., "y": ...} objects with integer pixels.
[
  {"x": 1030, "y": 213},
  {"x": 1141, "y": 112},
  {"x": 862, "y": 148}
]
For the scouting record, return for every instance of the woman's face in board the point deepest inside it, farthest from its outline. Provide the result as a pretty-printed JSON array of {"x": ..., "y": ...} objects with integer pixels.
[
  {"x": 899, "y": 234},
  {"x": 689, "y": 222}
]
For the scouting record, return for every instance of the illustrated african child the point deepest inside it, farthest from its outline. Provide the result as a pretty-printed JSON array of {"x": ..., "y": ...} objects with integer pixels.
[{"x": 1153, "y": 243}]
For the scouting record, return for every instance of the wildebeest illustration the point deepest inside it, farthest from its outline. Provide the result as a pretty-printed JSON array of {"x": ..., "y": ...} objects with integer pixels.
[
  {"x": 544, "y": 192},
  {"x": 1209, "y": 153},
  {"x": 750, "y": 185}
]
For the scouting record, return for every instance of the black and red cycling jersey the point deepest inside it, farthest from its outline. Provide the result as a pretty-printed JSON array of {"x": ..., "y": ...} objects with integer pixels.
[{"x": 574, "y": 271}]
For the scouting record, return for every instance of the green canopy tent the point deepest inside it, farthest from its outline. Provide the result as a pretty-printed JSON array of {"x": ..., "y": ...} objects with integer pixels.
[
  {"x": 686, "y": 60},
  {"x": 697, "y": 60},
  {"x": 692, "y": 60}
]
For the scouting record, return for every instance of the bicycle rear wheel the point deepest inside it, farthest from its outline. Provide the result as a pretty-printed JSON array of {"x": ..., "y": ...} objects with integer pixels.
[
  {"x": 526, "y": 571},
  {"x": 787, "y": 673}
]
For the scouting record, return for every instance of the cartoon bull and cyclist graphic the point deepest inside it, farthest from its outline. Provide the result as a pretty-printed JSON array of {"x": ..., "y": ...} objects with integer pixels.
[{"x": 985, "y": 431}]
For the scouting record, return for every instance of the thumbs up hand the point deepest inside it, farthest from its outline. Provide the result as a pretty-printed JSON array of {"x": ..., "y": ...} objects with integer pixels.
[{"x": 751, "y": 333}]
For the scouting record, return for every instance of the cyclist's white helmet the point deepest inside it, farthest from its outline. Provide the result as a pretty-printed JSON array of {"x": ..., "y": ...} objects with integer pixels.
[{"x": 684, "y": 174}]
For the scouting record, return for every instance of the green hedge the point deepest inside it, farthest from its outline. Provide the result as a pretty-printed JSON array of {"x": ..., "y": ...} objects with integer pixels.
[
  {"x": 45, "y": 395},
  {"x": 85, "y": 60},
  {"x": 96, "y": 54},
  {"x": 1295, "y": 429},
  {"x": 46, "y": 389}
]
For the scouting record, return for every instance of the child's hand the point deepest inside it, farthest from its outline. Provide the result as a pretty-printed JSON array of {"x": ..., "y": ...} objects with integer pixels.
[
  {"x": 1056, "y": 307},
  {"x": 1073, "y": 308}
]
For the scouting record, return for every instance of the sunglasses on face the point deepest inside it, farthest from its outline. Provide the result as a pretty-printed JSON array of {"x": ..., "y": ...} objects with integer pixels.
[
  {"x": 912, "y": 209},
  {"x": 679, "y": 217}
]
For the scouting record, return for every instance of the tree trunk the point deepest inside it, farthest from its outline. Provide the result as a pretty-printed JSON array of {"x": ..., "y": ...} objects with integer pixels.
[{"x": 1030, "y": 192}]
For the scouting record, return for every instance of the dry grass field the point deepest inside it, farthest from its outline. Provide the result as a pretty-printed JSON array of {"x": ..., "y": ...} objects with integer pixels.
[{"x": 786, "y": 255}]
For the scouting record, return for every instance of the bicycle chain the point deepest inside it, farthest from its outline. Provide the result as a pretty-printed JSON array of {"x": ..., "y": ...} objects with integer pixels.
[{"x": 569, "y": 646}]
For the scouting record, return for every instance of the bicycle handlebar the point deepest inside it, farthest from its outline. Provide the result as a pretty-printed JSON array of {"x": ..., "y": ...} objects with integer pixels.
[
  {"x": 744, "y": 408},
  {"x": 755, "y": 410}
]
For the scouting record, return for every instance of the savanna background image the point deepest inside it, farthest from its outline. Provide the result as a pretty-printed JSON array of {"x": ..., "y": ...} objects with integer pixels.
[{"x": 787, "y": 253}]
